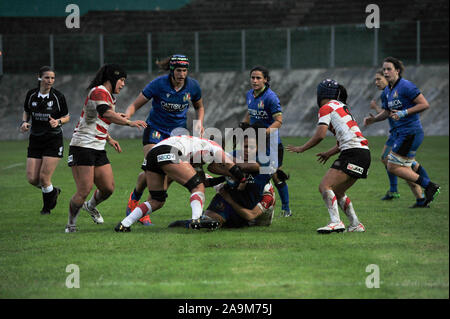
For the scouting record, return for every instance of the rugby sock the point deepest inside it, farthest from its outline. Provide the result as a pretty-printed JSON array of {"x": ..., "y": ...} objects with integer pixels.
[
  {"x": 73, "y": 213},
  {"x": 197, "y": 199},
  {"x": 423, "y": 181},
  {"x": 96, "y": 199},
  {"x": 47, "y": 196},
  {"x": 392, "y": 182},
  {"x": 420, "y": 170},
  {"x": 137, "y": 213},
  {"x": 346, "y": 205},
  {"x": 136, "y": 195},
  {"x": 330, "y": 201},
  {"x": 283, "y": 191}
]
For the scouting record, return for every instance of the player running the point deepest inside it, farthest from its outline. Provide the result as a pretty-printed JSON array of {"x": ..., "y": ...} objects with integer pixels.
[
  {"x": 354, "y": 159},
  {"x": 403, "y": 103},
  {"x": 171, "y": 95},
  {"x": 173, "y": 157},
  {"x": 87, "y": 155}
]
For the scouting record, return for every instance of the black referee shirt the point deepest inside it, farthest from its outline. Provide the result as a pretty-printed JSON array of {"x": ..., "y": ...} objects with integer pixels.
[{"x": 41, "y": 108}]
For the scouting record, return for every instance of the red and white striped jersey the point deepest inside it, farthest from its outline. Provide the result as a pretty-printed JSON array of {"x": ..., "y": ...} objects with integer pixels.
[
  {"x": 195, "y": 149},
  {"x": 341, "y": 123},
  {"x": 92, "y": 129}
]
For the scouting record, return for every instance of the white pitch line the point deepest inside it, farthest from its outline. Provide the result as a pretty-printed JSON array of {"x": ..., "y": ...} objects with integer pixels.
[{"x": 13, "y": 165}]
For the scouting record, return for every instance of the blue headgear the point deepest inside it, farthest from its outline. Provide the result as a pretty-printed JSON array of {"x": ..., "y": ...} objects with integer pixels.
[
  {"x": 328, "y": 89},
  {"x": 178, "y": 61}
]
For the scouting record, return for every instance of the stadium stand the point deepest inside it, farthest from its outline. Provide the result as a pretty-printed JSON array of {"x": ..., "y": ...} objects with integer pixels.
[{"x": 231, "y": 14}]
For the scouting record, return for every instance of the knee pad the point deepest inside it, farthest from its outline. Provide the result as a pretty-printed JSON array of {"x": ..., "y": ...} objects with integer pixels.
[
  {"x": 193, "y": 182},
  {"x": 401, "y": 161},
  {"x": 159, "y": 196}
]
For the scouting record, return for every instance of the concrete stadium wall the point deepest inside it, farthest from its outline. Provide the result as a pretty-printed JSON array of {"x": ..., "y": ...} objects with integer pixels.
[{"x": 224, "y": 98}]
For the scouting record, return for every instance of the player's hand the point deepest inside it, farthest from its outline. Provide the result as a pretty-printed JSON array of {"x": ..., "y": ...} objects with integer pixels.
[
  {"x": 398, "y": 114},
  {"x": 369, "y": 120},
  {"x": 115, "y": 144},
  {"x": 53, "y": 123},
  {"x": 25, "y": 127},
  {"x": 199, "y": 130},
  {"x": 138, "y": 123},
  {"x": 294, "y": 149},
  {"x": 322, "y": 157}
]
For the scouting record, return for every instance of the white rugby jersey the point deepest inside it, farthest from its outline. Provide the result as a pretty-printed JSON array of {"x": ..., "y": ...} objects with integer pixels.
[
  {"x": 195, "y": 149},
  {"x": 341, "y": 123},
  {"x": 92, "y": 129}
]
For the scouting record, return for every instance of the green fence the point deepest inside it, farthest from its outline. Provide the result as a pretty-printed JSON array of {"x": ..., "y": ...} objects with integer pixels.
[{"x": 417, "y": 42}]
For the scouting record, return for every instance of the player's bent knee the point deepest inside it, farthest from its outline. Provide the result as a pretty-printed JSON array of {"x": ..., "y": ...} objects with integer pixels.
[
  {"x": 159, "y": 196},
  {"x": 193, "y": 182}
]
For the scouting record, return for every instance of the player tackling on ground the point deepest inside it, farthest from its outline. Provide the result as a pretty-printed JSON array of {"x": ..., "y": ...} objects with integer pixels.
[{"x": 354, "y": 159}]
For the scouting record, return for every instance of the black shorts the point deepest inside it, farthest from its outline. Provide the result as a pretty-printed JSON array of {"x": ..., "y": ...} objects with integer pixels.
[
  {"x": 160, "y": 156},
  {"x": 354, "y": 162},
  {"x": 83, "y": 156},
  {"x": 51, "y": 145}
]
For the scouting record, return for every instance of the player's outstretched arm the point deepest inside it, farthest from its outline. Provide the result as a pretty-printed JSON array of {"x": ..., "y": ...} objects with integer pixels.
[
  {"x": 318, "y": 136},
  {"x": 116, "y": 118}
]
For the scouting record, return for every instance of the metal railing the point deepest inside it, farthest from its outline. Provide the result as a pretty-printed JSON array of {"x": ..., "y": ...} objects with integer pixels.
[{"x": 415, "y": 42}]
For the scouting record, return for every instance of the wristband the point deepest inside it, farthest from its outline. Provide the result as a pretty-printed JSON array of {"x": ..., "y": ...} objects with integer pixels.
[
  {"x": 23, "y": 122},
  {"x": 59, "y": 122},
  {"x": 402, "y": 113}
]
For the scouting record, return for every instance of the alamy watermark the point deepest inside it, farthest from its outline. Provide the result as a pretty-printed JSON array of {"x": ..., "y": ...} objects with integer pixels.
[
  {"x": 373, "y": 19},
  {"x": 73, "y": 280},
  {"x": 73, "y": 19},
  {"x": 373, "y": 280}
]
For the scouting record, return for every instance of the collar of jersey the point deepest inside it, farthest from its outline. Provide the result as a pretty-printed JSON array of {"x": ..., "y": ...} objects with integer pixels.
[{"x": 260, "y": 94}]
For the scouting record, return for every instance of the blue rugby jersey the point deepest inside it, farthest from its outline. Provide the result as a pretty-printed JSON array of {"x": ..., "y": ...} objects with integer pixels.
[
  {"x": 169, "y": 107},
  {"x": 254, "y": 189},
  {"x": 264, "y": 107},
  {"x": 401, "y": 97}
]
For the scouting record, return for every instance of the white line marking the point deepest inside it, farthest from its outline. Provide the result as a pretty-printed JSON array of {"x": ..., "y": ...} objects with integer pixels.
[{"x": 13, "y": 165}]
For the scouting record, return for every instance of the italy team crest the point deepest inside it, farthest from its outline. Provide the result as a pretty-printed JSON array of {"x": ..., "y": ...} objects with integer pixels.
[
  {"x": 261, "y": 104},
  {"x": 187, "y": 97}
]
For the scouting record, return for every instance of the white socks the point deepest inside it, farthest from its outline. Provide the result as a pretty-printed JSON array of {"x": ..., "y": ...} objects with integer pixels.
[
  {"x": 47, "y": 189},
  {"x": 197, "y": 199},
  {"x": 330, "y": 201},
  {"x": 137, "y": 214},
  {"x": 347, "y": 206}
]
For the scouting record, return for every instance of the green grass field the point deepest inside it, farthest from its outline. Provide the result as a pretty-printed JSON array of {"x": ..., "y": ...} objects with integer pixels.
[{"x": 286, "y": 260}]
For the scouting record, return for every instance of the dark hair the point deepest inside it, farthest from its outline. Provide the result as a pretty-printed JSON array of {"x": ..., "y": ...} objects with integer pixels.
[
  {"x": 111, "y": 72},
  {"x": 41, "y": 72},
  {"x": 264, "y": 71},
  {"x": 398, "y": 65},
  {"x": 342, "y": 94},
  {"x": 163, "y": 64},
  {"x": 380, "y": 72}
]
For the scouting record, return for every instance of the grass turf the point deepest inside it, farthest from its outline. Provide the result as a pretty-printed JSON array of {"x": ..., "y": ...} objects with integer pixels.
[{"x": 286, "y": 260}]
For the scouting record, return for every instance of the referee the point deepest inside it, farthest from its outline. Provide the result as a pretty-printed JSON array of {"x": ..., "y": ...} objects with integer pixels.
[{"x": 47, "y": 109}]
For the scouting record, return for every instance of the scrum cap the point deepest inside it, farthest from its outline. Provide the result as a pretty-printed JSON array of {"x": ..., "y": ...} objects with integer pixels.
[
  {"x": 178, "y": 61},
  {"x": 114, "y": 72},
  {"x": 328, "y": 89}
]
